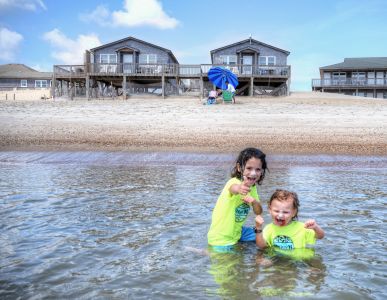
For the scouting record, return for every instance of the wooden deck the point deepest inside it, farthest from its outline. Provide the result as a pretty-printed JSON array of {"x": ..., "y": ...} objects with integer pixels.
[{"x": 122, "y": 75}]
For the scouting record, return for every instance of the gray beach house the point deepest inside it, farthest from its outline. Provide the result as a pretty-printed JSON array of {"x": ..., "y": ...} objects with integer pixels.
[
  {"x": 360, "y": 76},
  {"x": 124, "y": 67},
  {"x": 261, "y": 68}
]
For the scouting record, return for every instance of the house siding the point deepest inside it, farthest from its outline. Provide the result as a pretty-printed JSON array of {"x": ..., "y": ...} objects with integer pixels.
[
  {"x": 163, "y": 57},
  {"x": 9, "y": 83},
  {"x": 281, "y": 57}
]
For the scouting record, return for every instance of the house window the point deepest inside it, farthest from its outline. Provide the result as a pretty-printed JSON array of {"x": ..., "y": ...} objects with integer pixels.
[
  {"x": 23, "y": 83},
  {"x": 327, "y": 75},
  {"x": 41, "y": 83},
  {"x": 108, "y": 58},
  {"x": 338, "y": 77},
  {"x": 227, "y": 59},
  {"x": 232, "y": 60},
  {"x": 379, "y": 77},
  {"x": 147, "y": 58},
  {"x": 358, "y": 75},
  {"x": 266, "y": 60}
]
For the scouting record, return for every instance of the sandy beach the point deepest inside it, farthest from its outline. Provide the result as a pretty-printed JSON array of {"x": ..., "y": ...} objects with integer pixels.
[{"x": 302, "y": 123}]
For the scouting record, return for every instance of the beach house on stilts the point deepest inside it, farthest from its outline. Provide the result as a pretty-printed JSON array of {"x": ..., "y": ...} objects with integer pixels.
[
  {"x": 121, "y": 68},
  {"x": 261, "y": 68}
]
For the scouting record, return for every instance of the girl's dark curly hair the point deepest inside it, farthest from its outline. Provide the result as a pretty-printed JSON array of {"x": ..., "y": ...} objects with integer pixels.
[
  {"x": 243, "y": 157},
  {"x": 284, "y": 195}
]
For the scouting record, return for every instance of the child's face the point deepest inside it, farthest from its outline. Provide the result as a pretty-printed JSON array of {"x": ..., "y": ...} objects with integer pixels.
[
  {"x": 252, "y": 171},
  {"x": 282, "y": 212}
]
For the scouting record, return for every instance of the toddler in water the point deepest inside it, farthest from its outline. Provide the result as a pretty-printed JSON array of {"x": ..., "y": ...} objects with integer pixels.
[
  {"x": 234, "y": 202},
  {"x": 285, "y": 232}
]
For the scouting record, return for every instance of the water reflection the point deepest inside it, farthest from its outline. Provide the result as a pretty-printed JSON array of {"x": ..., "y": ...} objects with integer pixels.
[{"x": 243, "y": 274}]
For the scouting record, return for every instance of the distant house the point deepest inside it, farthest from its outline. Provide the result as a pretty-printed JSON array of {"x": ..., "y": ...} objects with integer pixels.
[
  {"x": 19, "y": 76},
  {"x": 361, "y": 76},
  {"x": 258, "y": 65}
]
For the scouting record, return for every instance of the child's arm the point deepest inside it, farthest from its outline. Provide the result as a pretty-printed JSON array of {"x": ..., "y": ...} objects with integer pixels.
[
  {"x": 244, "y": 189},
  {"x": 312, "y": 224},
  {"x": 241, "y": 188},
  {"x": 259, "y": 240},
  {"x": 256, "y": 205}
]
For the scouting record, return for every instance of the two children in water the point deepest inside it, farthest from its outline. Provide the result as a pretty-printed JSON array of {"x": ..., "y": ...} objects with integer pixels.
[{"x": 240, "y": 193}]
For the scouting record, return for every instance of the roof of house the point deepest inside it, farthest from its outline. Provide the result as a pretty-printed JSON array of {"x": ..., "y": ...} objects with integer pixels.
[
  {"x": 250, "y": 40},
  {"x": 22, "y": 71},
  {"x": 359, "y": 63},
  {"x": 137, "y": 40}
]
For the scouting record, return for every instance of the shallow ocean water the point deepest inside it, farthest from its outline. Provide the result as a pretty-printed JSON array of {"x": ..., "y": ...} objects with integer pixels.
[{"x": 133, "y": 225}]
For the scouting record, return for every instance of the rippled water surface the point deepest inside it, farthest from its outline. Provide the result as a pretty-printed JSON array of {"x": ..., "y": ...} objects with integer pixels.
[{"x": 97, "y": 225}]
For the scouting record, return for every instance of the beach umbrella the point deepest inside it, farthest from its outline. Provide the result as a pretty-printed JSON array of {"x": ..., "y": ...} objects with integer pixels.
[{"x": 219, "y": 75}]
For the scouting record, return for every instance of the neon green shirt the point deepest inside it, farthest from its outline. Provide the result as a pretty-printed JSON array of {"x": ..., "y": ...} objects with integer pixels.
[
  {"x": 289, "y": 237},
  {"x": 229, "y": 215}
]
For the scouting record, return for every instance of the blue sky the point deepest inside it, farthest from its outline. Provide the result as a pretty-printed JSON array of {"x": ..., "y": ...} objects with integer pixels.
[{"x": 41, "y": 33}]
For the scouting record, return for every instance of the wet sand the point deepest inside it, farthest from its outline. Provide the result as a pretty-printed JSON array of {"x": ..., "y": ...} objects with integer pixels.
[{"x": 302, "y": 123}]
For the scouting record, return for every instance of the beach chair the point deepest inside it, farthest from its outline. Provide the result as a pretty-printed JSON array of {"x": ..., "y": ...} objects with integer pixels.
[{"x": 227, "y": 97}]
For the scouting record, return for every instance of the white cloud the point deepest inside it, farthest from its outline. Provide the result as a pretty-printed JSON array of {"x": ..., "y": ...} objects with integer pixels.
[
  {"x": 143, "y": 12},
  {"x": 100, "y": 15},
  {"x": 134, "y": 13},
  {"x": 22, "y": 4},
  {"x": 9, "y": 42},
  {"x": 68, "y": 51}
]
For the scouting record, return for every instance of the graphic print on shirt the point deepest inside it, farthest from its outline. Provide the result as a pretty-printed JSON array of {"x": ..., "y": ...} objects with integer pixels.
[
  {"x": 241, "y": 212},
  {"x": 283, "y": 242}
]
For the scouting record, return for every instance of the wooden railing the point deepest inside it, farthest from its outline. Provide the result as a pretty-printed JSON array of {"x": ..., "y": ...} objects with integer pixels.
[
  {"x": 69, "y": 69},
  {"x": 350, "y": 82},
  {"x": 167, "y": 69}
]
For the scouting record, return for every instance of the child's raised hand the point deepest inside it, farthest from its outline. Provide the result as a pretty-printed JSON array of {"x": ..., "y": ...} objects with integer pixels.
[
  {"x": 244, "y": 188},
  {"x": 259, "y": 221},
  {"x": 310, "y": 224}
]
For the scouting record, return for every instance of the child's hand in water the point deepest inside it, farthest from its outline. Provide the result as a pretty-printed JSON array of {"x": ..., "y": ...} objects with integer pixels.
[
  {"x": 310, "y": 224},
  {"x": 259, "y": 221}
]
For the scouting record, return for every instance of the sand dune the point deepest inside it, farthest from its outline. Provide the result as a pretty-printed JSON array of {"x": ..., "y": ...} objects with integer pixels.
[{"x": 305, "y": 122}]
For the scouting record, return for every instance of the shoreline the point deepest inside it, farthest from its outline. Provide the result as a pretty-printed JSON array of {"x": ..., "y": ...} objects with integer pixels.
[
  {"x": 296, "y": 149},
  {"x": 159, "y": 158},
  {"x": 302, "y": 123}
]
